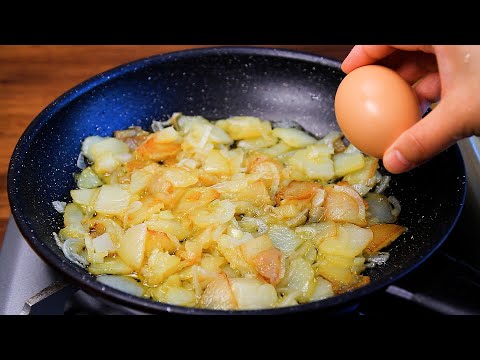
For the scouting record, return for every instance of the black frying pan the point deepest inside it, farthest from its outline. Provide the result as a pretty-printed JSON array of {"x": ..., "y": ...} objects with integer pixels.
[{"x": 272, "y": 84}]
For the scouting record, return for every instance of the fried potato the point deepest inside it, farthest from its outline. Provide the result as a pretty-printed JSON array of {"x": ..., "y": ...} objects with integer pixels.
[{"x": 226, "y": 215}]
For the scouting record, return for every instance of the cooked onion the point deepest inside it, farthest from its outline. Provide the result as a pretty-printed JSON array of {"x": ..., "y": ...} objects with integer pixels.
[
  {"x": 59, "y": 206},
  {"x": 379, "y": 209},
  {"x": 383, "y": 184},
  {"x": 319, "y": 198},
  {"x": 260, "y": 226},
  {"x": 396, "y": 205},
  {"x": 71, "y": 247},
  {"x": 379, "y": 258},
  {"x": 58, "y": 241},
  {"x": 354, "y": 195},
  {"x": 298, "y": 220},
  {"x": 306, "y": 232},
  {"x": 284, "y": 239},
  {"x": 81, "y": 164},
  {"x": 156, "y": 125},
  {"x": 362, "y": 189},
  {"x": 204, "y": 139}
]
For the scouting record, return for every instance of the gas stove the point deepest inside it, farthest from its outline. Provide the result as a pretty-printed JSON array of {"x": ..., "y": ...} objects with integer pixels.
[{"x": 447, "y": 283}]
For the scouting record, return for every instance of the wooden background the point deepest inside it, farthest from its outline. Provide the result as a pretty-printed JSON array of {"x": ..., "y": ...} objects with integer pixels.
[{"x": 33, "y": 76}]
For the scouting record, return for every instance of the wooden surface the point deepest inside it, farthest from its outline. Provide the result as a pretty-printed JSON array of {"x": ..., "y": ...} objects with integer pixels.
[{"x": 33, "y": 76}]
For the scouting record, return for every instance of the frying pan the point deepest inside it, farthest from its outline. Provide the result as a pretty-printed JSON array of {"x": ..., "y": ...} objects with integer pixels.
[{"x": 273, "y": 84}]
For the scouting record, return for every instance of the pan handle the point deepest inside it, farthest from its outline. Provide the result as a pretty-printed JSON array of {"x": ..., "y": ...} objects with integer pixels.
[
  {"x": 450, "y": 287},
  {"x": 57, "y": 295}
]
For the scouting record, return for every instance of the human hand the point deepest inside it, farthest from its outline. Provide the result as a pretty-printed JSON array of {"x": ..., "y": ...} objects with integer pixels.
[{"x": 447, "y": 72}]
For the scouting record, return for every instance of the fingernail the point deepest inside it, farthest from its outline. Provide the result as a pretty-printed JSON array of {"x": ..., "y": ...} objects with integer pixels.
[{"x": 395, "y": 162}]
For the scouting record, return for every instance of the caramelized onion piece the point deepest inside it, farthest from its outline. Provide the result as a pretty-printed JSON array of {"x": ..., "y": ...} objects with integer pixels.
[{"x": 383, "y": 235}]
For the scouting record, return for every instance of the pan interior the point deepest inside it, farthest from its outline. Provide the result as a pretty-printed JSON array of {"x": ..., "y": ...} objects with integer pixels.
[{"x": 280, "y": 86}]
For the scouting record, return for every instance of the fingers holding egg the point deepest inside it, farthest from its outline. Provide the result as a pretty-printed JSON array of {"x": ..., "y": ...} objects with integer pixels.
[{"x": 429, "y": 88}]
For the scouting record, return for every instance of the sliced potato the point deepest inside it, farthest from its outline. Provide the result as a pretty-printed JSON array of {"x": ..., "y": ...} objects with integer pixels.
[
  {"x": 216, "y": 164},
  {"x": 253, "y": 247},
  {"x": 137, "y": 212},
  {"x": 84, "y": 197},
  {"x": 323, "y": 289},
  {"x": 139, "y": 181},
  {"x": 216, "y": 213},
  {"x": 358, "y": 264},
  {"x": 122, "y": 283},
  {"x": 228, "y": 214},
  {"x": 219, "y": 136},
  {"x": 173, "y": 227},
  {"x": 186, "y": 123},
  {"x": 298, "y": 190},
  {"x": 160, "y": 266},
  {"x": 257, "y": 143},
  {"x": 88, "y": 179},
  {"x": 277, "y": 149},
  {"x": 99, "y": 247},
  {"x": 319, "y": 150},
  {"x": 106, "y": 164},
  {"x": 112, "y": 200},
  {"x": 343, "y": 204},
  {"x": 255, "y": 193},
  {"x": 347, "y": 163},
  {"x": 192, "y": 252},
  {"x": 293, "y": 137},
  {"x": 253, "y": 294},
  {"x": 365, "y": 173},
  {"x": 213, "y": 263},
  {"x": 87, "y": 146},
  {"x": 336, "y": 269},
  {"x": 73, "y": 216},
  {"x": 299, "y": 277},
  {"x": 218, "y": 295},
  {"x": 160, "y": 145},
  {"x": 195, "y": 198},
  {"x": 245, "y": 127},
  {"x": 269, "y": 265},
  {"x": 350, "y": 241},
  {"x": 178, "y": 295},
  {"x": 158, "y": 240},
  {"x": 111, "y": 266},
  {"x": 231, "y": 251},
  {"x": 132, "y": 245},
  {"x": 319, "y": 168},
  {"x": 107, "y": 145}
]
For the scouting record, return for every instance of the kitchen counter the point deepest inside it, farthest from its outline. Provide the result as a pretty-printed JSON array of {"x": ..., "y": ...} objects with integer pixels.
[{"x": 32, "y": 76}]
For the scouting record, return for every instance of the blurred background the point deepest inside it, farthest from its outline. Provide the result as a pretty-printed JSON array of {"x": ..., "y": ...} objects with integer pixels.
[{"x": 32, "y": 76}]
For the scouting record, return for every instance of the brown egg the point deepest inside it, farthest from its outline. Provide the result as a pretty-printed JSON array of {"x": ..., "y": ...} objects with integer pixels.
[{"x": 374, "y": 106}]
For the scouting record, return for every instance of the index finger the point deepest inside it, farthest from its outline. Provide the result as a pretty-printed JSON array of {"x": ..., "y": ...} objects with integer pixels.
[
  {"x": 361, "y": 55},
  {"x": 364, "y": 55}
]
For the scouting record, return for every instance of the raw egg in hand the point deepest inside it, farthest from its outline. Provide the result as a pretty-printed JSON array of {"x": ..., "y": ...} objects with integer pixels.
[{"x": 374, "y": 106}]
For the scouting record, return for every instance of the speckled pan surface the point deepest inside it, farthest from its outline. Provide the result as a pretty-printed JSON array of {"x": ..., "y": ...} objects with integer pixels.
[{"x": 276, "y": 85}]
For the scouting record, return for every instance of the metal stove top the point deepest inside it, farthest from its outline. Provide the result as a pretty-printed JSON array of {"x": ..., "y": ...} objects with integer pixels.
[{"x": 447, "y": 283}]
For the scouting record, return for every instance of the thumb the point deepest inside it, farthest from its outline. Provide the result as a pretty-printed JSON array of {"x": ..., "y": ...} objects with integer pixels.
[{"x": 434, "y": 133}]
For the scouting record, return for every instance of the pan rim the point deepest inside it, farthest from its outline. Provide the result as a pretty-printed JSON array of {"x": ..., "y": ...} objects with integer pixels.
[{"x": 89, "y": 284}]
